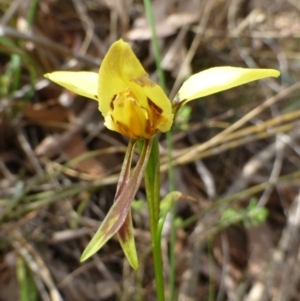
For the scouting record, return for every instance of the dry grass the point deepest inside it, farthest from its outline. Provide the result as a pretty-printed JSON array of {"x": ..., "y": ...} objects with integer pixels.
[{"x": 59, "y": 165}]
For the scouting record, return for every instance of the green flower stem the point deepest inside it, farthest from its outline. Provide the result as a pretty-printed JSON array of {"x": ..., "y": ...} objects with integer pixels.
[
  {"x": 156, "y": 50},
  {"x": 161, "y": 78},
  {"x": 152, "y": 183},
  {"x": 171, "y": 174}
]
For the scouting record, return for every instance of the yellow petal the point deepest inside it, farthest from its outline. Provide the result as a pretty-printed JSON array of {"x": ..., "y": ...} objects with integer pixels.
[
  {"x": 129, "y": 116},
  {"x": 129, "y": 100},
  {"x": 118, "y": 68},
  {"x": 158, "y": 103},
  {"x": 218, "y": 79},
  {"x": 82, "y": 83}
]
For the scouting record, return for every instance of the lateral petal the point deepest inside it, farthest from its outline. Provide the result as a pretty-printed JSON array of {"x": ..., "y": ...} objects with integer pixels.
[
  {"x": 83, "y": 83},
  {"x": 217, "y": 79}
]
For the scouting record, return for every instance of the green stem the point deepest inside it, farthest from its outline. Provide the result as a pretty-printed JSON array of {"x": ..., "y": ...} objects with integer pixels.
[
  {"x": 161, "y": 78},
  {"x": 171, "y": 175},
  {"x": 152, "y": 183},
  {"x": 156, "y": 50}
]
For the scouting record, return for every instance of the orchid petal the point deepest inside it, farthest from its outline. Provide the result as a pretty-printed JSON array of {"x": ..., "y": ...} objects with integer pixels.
[
  {"x": 82, "y": 83},
  {"x": 217, "y": 79},
  {"x": 129, "y": 100}
]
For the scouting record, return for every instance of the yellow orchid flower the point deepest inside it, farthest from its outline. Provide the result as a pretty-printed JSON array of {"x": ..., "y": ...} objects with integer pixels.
[
  {"x": 130, "y": 102},
  {"x": 133, "y": 105}
]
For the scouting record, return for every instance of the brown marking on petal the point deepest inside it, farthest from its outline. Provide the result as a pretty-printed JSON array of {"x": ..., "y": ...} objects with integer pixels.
[
  {"x": 157, "y": 109},
  {"x": 112, "y": 101},
  {"x": 96, "y": 96},
  {"x": 156, "y": 118},
  {"x": 149, "y": 129},
  {"x": 144, "y": 80}
]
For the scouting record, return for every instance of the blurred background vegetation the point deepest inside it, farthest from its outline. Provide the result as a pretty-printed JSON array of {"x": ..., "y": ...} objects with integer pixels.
[{"x": 239, "y": 239}]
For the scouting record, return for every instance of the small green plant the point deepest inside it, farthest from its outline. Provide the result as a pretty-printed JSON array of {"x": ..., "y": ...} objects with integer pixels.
[
  {"x": 136, "y": 107},
  {"x": 251, "y": 216},
  {"x": 28, "y": 291}
]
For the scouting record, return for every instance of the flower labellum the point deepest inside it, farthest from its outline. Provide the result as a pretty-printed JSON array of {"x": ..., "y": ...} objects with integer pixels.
[{"x": 131, "y": 103}]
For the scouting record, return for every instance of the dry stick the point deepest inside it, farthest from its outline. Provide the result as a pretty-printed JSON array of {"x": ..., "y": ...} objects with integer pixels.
[
  {"x": 8, "y": 175},
  {"x": 275, "y": 173},
  {"x": 107, "y": 274},
  {"x": 69, "y": 168},
  {"x": 263, "y": 126},
  {"x": 290, "y": 178},
  {"x": 278, "y": 260},
  {"x": 89, "y": 26},
  {"x": 178, "y": 42},
  {"x": 238, "y": 44},
  {"x": 25, "y": 145},
  {"x": 295, "y": 3},
  {"x": 245, "y": 133},
  {"x": 189, "y": 281},
  {"x": 39, "y": 85},
  {"x": 226, "y": 278},
  {"x": 207, "y": 178},
  {"x": 205, "y": 174},
  {"x": 113, "y": 25},
  {"x": 55, "y": 144},
  {"x": 232, "y": 16},
  {"x": 36, "y": 264},
  {"x": 113, "y": 179},
  {"x": 192, "y": 153},
  {"x": 87, "y": 23},
  {"x": 228, "y": 281},
  {"x": 238, "y": 142},
  {"x": 8, "y": 14},
  {"x": 216, "y": 121},
  {"x": 255, "y": 163},
  {"x": 48, "y": 44},
  {"x": 255, "y": 34},
  {"x": 202, "y": 24},
  {"x": 290, "y": 272}
]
